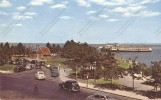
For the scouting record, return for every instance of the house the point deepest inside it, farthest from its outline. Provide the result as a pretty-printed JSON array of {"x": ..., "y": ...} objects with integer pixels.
[{"x": 44, "y": 52}]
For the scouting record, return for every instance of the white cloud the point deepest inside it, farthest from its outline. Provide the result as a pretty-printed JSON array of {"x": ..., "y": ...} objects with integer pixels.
[
  {"x": 149, "y": 13},
  {"x": 40, "y": 2},
  {"x": 3, "y": 13},
  {"x": 18, "y": 25},
  {"x": 91, "y": 12},
  {"x": 5, "y": 3},
  {"x": 65, "y": 17},
  {"x": 113, "y": 20},
  {"x": 129, "y": 9},
  {"x": 21, "y": 8},
  {"x": 149, "y": 1},
  {"x": 83, "y": 3},
  {"x": 21, "y": 17},
  {"x": 31, "y": 13},
  {"x": 103, "y": 16},
  {"x": 59, "y": 6},
  {"x": 26, "y": 15}
]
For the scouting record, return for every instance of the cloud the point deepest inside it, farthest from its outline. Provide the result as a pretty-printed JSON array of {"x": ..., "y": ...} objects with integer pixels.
[
  {"x": 65, "y": 17},
  {"x": 149, "y": 1},
  {"x": 58, "y": 6},
  {"x": 128, "y": 11},
  {"x": 17, "y": 16},
  {"x": 90, "y": 12},
  {"x": 113, "y": 20},
  {"x": 22, "y": 17},
  {"x": 103, "y": 16},
  {"x": 31, "y": 13},
  {"x": 3, "y": 13},
  {"x": 83, "y": 3},
  {"x": 149, "y": 13},
  {"x": 5, "y": 3},
  {"x": 40, "y": 2},
  {"x": 21, "y": 8},
  {"x": 18, "y": 25}
]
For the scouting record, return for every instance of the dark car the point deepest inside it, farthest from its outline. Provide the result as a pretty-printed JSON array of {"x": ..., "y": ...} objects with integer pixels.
[
  {"x": 70, "y": 85},
  {"x": 38, "y": 65},
  {"x": 19, "y": 68},
  {"x": 54, "y": 72}
]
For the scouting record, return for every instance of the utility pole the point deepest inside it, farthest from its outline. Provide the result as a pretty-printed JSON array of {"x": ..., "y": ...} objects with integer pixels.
[{"x": 37, "y": 50}]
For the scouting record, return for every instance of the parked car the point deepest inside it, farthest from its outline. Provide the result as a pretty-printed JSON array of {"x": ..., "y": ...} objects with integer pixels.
[
  {"x": 38, "y": 65},
  {"x": 54, "y": 72},
  {"x": 19, "y": 68},
  {"x": 70, "y": 85},
  {"x": 100, "y": 96},
  {"x": 40, "y": 75},
  {"x": 42, "y": 63},
  {"x": 28, "y": 66}
]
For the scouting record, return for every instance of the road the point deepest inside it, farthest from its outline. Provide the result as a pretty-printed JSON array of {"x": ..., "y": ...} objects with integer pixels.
[{"x": 20, "y": 86}]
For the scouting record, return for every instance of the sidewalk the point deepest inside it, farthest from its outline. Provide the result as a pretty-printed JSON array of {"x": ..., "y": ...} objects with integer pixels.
[
  {"x": 64, "y": 73},
  {"x": 6, "y": 72}
]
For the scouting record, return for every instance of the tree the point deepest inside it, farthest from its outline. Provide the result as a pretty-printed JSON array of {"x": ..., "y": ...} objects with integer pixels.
[
  {"x": 20, "y": 49},
  {"x": 134, "y": 69},
  {"x": 49, "y": 46},
  {"x": 111, "y": 68},
  {"x": 156, "y": 73}
]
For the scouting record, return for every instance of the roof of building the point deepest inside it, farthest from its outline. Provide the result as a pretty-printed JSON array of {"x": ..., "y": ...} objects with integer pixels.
[{"x": 44, "y": 51}]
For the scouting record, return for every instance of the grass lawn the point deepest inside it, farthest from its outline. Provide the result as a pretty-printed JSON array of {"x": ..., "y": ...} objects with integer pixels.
[
  {"x": 123, "y": 63},
  {"x": 7, "y": 67},
  {"x": 98, "y": 81},
  {"x": 57, "y": 61}
]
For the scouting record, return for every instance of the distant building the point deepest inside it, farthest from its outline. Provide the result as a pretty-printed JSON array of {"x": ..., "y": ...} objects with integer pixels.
[{"x": 44, "y": 52}]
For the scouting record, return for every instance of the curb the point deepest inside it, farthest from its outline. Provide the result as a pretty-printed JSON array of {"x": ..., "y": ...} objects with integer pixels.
[{"x": 6, "y": 72}]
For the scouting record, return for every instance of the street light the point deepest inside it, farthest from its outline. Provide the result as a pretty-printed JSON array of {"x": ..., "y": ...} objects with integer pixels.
[{"x": 94, "y": 69}]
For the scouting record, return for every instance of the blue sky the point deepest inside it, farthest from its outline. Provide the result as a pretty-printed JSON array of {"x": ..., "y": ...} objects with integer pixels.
[{"x": 91, "y": 21}]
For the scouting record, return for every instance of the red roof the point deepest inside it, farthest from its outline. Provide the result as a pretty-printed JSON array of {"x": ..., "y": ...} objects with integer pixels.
[{"x": 45, "y": 51}]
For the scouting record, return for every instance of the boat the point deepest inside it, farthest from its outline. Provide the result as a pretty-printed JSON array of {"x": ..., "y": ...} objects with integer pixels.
[{"x": 128, "y": 47}]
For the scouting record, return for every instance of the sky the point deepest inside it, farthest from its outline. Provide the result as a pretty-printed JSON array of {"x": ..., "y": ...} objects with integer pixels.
[{"x": 91, "y": 21}]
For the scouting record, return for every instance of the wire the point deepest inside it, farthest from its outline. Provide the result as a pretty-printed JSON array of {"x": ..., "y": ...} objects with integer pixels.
[
  {"x": 11, "y": 25},
  {"x": 129, "y": 22},
  {"x": 91, "y": 22}
]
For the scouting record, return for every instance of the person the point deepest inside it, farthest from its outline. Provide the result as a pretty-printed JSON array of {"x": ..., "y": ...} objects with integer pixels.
[{"x": 35, "y": 85}]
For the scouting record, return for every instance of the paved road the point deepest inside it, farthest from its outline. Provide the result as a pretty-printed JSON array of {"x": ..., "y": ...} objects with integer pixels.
[{"x": 20, "y": 86}]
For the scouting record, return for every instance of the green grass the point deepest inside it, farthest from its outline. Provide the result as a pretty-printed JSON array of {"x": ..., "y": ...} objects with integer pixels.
[
  {"x": 57, "y": 61},
  {"x": 123, "y": 63},
  {"x": 7, "y": 67},
  {"x": 98, "y": 81}
]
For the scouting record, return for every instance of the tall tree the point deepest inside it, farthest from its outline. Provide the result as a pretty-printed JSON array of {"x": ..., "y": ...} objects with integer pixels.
[
  {"x": 20, "y": 49},
  {"x": 134, "y": 69},
  {"x": 156, "y": 73}
]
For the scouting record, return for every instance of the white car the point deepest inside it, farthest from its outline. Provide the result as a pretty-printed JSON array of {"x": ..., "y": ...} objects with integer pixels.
[
  {"x": 40, "y": 75},
  {"x": 100, "y": 96}
]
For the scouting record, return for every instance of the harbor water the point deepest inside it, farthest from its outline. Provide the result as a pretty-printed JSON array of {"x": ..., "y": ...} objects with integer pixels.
[{"x": 143, "y": 57}]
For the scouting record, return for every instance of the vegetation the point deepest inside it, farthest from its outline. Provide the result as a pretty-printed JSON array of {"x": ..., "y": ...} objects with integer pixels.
[
  {"x": 7, "y": 67},
  {"x": 57, "y": 61}
]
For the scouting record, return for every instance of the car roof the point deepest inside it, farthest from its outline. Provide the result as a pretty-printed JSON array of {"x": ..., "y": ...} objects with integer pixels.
[{"x": 71, "y": 81}]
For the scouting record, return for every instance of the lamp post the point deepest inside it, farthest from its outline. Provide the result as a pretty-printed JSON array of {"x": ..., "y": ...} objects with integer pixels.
[
  {"x": 94, "y": 69},
  {"x": 87, "y": 80}
]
